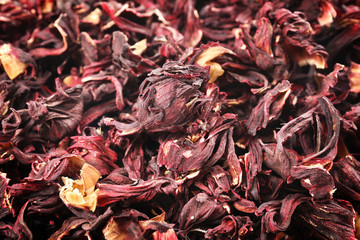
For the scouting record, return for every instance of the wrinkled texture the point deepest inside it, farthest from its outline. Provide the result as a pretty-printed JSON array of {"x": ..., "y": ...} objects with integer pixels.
[{"x": 156, "y": 120}]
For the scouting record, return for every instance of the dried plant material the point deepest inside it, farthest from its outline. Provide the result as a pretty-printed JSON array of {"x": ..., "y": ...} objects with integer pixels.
[
  {"x": 72, "y": 80},
  {"x": 199, "y": 209},
  {"x": 42, "y": 52},
  {"x": 48, "y": 6},
  {"x": 93, "y": 17},
  {"x": 354, "y": 76},
  {"x": 316, "y": 179},
  {"x": 297, "y": 39},
  {"x": 145, "y": 190},
  {"x": 94, "y": 151},
  {"x": 179, "y": 119},
  {"x": 139, "y": 47},
  {"x": 162, "y": 229},
  {"x": 124, "y": 226},
  {"x": 10, "y": 61},
  {"x": 81, "y": 193},
  {"x": 328, "y": 13},
  {"x": 357, "y": 225},
  {"x": 67, "y": 226},
  {"x": 346, "y": 176},
  {"x": 169, "y": 98},
  {"x": 6, "y": 207},
  {"x": 181, "y": 155},
  {"x": 206, "y": 57},
  {"x": 332, "y": 219},
  {"x": 305, "y": 58},
  {"x": 117, "y": 230},
  {"x": 52, "y": 118},
  {"x": 269, "y": 107}
]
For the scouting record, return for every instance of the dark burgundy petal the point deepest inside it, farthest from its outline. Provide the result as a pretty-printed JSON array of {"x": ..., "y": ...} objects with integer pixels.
[
  {"x": 20, "y": 226},
  {"x": 52, "y": 118},
  {"x": 168, "y": 96},
  {"x": 143, "y": 191},
  {"x": 61, "y": 43},
  {"x": 134, "y": 161},
  {"x": 351, "y": 117},
  {"x": 331, "y": 219},
  {"x": 297, "y": 41},
  {"x": 11, "y": 122},
  {"x": 269, "y": 107},
  {"x": 197, "y": 210},
  {"x": 221, "y": 178},
  {"x": 347, "y": 33},
  {"x": 233, "y": 161},
  {"x": 192, "y": 30},
  {"x": 328, "y": 151},
  {"x": 124, "y": 226},
  {"x": 124, "y": 23},
  {"x": 346, "y": 173},
  {"x": 316, "y": 179},
  {"x": 245, "y": 205},
  {"x": 179, "y": 119},
  {"x": 200, "y": 150},
  {"x": 94, "y": 151},
  {"x": 68, "y": 228},
  {"x": 45, "y": 201},
  {"x": 234, "y": 226},
  {"x": 261, "y": 50},
  {"x": 277, "y": 214},
  {"x": 253, "y": 162},
  {"x": 281, "y": 163}
]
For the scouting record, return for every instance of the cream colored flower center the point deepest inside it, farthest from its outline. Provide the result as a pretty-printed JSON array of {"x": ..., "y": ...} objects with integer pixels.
[{"x": 81, "y": 192}]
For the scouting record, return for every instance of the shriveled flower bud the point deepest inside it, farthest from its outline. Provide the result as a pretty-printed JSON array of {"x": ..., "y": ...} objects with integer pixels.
[{"x": 170, "y": 95}]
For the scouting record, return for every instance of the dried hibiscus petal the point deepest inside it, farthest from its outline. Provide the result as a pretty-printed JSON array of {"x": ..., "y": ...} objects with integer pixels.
[
  {"x": 15, "y": 61},
  {"x": 205, "y": 59},
  {"x": 199, "y": 209},
  {"x": 332, "y": 219},
  {"x": 316, "y": 179},
  {"x": 81, "y": 193},
  {"x": 159, "y": 228},
  {"x": 346, "y": 176},
  {"x": 4, "y": 196},
  {"x": 197, "y": 151},
  {"x": 234, "y": 226},
  {"x": 67, "y": 227},
  {"x": 142, "y": 191},
  {"x": 51, "y": 118},
  {"x": 124, "y": 226},
  {"x": 278, "y": 213},
  {"x": 94, "y": 152},
  {"x": 269, "y": 107},
  {"x": 168, "y": 98},
  {"x": 297, "y": 39},
  {"x": 146, "y": 119}
]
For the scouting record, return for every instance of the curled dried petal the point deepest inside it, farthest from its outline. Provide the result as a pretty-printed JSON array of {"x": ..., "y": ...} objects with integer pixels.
[
  {"x": 209, "y": 54},
  {"x": 14, "y": 60},
  {"x": 297, "y": 34},
  {"x": 269, "y": 107},
  {"x": 81, "y": 193}
]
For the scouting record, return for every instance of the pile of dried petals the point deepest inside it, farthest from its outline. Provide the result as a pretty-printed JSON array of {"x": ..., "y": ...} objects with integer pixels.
[{"x": 179, "y": 119}]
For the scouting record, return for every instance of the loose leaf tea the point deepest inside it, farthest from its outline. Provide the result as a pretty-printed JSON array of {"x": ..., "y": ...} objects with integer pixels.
[{"x": 179, "y": 119}]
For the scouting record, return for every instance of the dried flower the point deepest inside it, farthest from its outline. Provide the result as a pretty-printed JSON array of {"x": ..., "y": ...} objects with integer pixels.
[
  {"x": 81, "y": 193},
  {"x": 179, "y": 119}
]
